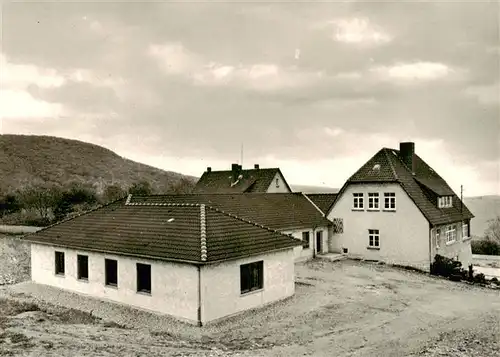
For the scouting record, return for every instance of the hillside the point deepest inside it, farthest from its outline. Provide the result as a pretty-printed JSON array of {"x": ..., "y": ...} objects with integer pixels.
[
  {"x": 484, "y": 208},
  {"x": 313, "y": 189},
  {"x": 26, "y": 159}
]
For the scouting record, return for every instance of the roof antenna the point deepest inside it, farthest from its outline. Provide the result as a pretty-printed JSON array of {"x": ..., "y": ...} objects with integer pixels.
[{"x": 241, "y": 158}]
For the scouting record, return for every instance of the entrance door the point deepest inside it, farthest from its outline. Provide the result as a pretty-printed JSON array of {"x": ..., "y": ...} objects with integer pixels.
[{"x": 319, "y": 242}]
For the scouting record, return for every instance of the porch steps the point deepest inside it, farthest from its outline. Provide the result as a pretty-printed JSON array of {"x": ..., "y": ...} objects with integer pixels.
[{"x": 331, "y": 256}]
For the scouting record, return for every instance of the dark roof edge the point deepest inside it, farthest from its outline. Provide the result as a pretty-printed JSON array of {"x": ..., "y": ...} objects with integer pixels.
[
  {"x": 315, "y": 206},
  {"x": 284, "y": 180}
]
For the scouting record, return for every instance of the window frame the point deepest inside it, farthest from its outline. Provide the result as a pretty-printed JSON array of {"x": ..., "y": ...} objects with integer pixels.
[
  {"x": 465, "y": 226},
  {"x": 304, "y": 239},
  {"x": 277, "y": 182},
  {"x": 450, "y": 234},
  {"x": 445, "y": 202},
  {"x": 437, "y": 236},
  {"x": 374, "y": 201},
  {"x": 106, "y": 274},
  {"x": 79, "y": 260},
  {"x": 255, "y": 282},
  {"x": 373, "y": 236},
  {"x": 59, "y": 263},
  {"x": 359, "y": 201},
  {"x": 139, "y": 282},
  {"x": 389, "y": 201}
]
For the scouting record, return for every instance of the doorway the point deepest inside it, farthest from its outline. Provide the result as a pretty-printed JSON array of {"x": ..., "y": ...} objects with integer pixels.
[{"x": 319, "y": 242}]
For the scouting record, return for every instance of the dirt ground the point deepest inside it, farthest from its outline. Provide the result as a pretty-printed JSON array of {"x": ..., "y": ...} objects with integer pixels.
[{"x": 343, "y": 308}]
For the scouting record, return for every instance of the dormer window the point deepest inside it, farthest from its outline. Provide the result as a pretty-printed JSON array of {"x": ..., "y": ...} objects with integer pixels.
[{"x": 445, "y": 202}]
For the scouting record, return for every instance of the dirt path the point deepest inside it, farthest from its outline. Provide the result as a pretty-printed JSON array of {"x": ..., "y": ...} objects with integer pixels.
[{"x": 340, "y": 309}]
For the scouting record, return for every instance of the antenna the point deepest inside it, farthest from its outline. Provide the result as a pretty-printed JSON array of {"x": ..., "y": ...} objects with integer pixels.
[{"x": 241, "y": 159}]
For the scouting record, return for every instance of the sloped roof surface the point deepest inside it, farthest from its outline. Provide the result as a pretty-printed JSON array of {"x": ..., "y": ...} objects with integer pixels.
[
  {"x": 168, "y": 232},
  {"x": 280, "y": 211},
  {"x": 423, "y": 188},
  {"x": 322, "y": 200},
  {"x": 254, "y": 180}
]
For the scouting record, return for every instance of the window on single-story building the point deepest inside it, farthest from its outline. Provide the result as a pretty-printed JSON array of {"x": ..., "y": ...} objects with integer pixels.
[
  {"x": 306, "y": 240},
  {"x": 144, "y": 278},
  {"x": 111, "y": 272},
  {"x": 59, "y": 263},
  {"x": 82, "y": 262},
  {"x": 252, "y": 276}
]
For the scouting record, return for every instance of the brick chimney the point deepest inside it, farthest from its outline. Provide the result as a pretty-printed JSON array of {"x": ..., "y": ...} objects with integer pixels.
[
  {"x": 407, "y": 155},
  {"x": 209, "y": 169},
  {"x": 256, "y": 166},
  {"x": 235, "y": 169}
]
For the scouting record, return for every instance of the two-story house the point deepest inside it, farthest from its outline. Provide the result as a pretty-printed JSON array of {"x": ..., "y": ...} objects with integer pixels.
[
  {"x": 238, "y": 180},
  {"x": 397, "y": 209}
]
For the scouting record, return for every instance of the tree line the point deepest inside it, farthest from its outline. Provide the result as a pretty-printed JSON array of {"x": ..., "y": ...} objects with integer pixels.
[{"x": 41, "y": 204}]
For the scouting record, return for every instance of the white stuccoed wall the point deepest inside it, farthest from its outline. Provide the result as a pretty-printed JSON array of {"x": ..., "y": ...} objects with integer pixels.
[
  {"x": 404, "y": 234},
  {"x": 221, "y": 292},
  {"x": 282, "y": 187},
  {"x": 174, "y": 286},
  {"x": 305, "y": 254}
]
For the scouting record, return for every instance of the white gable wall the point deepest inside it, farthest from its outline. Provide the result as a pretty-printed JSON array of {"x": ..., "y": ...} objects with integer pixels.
[
  {"x": 174, "y": 287},
  {"x": 302, "y": 254},
  {"x": 404, "y": 234},
  {"x": 281, "y": 187},
  {"x": 221, "y": 290}
]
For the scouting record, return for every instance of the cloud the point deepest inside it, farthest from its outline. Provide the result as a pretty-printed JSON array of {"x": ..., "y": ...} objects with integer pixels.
[
  {"x": 20, "y": 104},
  {"x": 414, "y": 72},
  {"x": 175, "y": 59},
  {"x": 486, "y": 95},
  {"x": 22, "y": 75}
]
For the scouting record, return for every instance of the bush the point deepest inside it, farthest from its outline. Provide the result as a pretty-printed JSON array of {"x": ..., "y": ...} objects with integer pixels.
[
  {"x": 485, "y": 247},
  {"x": 480, "y": 278},
  {"x": 446, "y": 267}
]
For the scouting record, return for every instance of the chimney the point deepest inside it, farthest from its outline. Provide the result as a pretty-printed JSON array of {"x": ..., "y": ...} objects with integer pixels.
[
  {"x": 407, "y": 155},
  {"x": 256, "y": 166},
  {"x": 209, "y": 169},
  {"x": 235, "y": 168}
]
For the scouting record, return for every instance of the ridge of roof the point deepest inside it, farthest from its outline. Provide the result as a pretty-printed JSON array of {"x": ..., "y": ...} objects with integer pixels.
[
  {"x": 391, "y": 165},
  {"x": 204, "y": 206},
  {"x": 203, "y": 233},
  {"x": 314, "y": 204}
]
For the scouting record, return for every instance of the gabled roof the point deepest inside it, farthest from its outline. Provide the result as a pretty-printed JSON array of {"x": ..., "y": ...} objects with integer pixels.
[
  {"x": 254, "y": 180},
  {"x": 322, "y": 200},
  {"x": 424, "y": 187},
  {"x": 191, "y": 233},
  {"x": 280, "y": 211}
]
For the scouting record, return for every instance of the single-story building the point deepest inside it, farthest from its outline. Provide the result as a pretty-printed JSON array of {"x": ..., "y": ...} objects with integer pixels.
[
  {"x": 191, "y": 261},
  {"x": 290, "y": 213},
  {"x": 397, "y": 209}
]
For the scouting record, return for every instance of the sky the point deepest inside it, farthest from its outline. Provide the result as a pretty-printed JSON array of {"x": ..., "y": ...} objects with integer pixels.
[{"x": 315, "y": 88}]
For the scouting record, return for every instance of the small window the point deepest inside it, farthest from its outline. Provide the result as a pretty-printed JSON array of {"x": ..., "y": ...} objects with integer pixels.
[
  {"x": 59, "y": 263},
  {"x": 373, "y": 238},
  {"x": 277, "y": 182},
  {"x": 82, "y": 268},
  {"x": 465, "y": 230},
  {"x": 438, "y": 236},
  {"x": 111, "y": 272},
  {"x": 445, "y": 202},
  {"x": 390, "y": 201},
  {"x": 358, "y": 201},
  {"x": 144, "y": 278},
  {"x": 373, "y": 201},
  {"x": 305, "y": 240},
  {"x": 251, "y": 277},
  {"x": 451, "y": 234}
]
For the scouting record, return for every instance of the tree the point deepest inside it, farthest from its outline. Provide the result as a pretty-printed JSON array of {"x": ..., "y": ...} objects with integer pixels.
[
  {"x": 140, "y": 188},
  {"x": 113, "y": 192},
  {"x": 9, "y": 204},
  {"x": 41, "y": 198},
  {"x": 184, "y": 185},
  {"x": 492, "y": 232}
]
